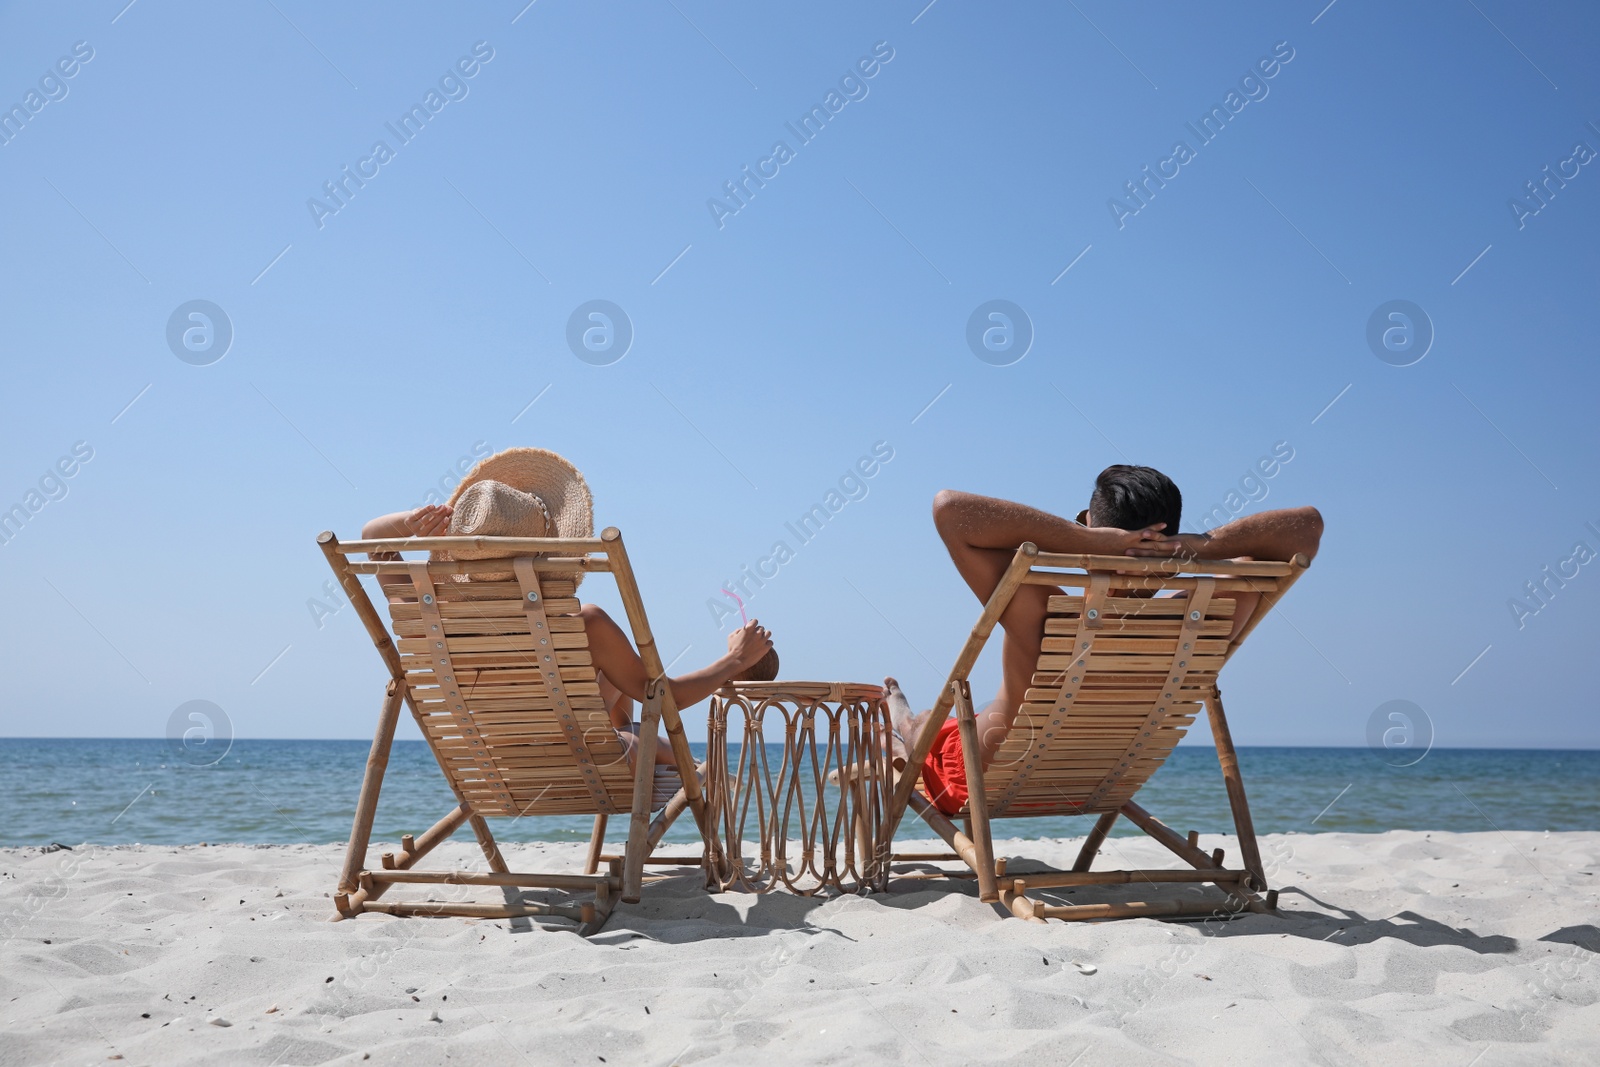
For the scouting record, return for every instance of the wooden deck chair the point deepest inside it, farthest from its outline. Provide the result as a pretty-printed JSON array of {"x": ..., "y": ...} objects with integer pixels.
[
  {"x": 1118, "y": 682},
  {"x": 499, "y": 678}
]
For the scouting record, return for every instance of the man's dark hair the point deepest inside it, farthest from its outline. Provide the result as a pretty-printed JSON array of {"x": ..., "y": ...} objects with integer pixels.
[{"x": 1131, "y": 498}]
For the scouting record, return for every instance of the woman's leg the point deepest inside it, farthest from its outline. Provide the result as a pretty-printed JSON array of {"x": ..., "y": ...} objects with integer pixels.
[
  {"x": 630, "y": 743},
  {"x": 907, "y": 727},
  {"x": 994, "y": 724}
]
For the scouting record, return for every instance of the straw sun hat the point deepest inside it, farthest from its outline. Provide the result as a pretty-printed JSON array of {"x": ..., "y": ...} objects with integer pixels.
[{"x": 521, "y": 492}]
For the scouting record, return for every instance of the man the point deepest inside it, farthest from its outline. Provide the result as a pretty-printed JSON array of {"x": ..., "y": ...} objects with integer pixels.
[{"x": 1128, "y": 514}]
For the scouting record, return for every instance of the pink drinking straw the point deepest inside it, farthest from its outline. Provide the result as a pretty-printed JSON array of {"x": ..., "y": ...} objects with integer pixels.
[{"x": 743, "y": 620}]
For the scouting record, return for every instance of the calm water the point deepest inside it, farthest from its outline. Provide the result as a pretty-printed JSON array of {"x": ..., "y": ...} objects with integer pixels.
[{"x": 280, "y": 792}]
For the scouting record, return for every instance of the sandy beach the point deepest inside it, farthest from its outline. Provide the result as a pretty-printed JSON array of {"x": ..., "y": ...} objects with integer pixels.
[{"x": 1401, "y": 947}]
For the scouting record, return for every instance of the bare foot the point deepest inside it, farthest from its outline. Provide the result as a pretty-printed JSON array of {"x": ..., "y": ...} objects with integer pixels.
[{"x": 899, "y": 709}]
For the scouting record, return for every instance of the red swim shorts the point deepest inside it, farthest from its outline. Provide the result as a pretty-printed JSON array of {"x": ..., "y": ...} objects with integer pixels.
[{"x": 944, "y": 775}]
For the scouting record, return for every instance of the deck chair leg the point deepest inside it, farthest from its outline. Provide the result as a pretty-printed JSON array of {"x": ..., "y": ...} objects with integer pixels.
[
  {"x": 1092, "y": 843},
  {"x": 644, "y": 780},
  {"x": 940, "y": 824},
  {"x": 1167, "y": 836},
  {"x": 669, "y": 815},
  {"x": 596, "y": 845},
  {"x": 860, "y": 805},
  {"x": 491, "y": 851},
  {"x": 1242, "y": 823},
  {"x": 977, "y": 803},
  {"x": 420, "y": 846},
  {"x": 355, "y": 855},
  {"x": 864, "y": 852}
]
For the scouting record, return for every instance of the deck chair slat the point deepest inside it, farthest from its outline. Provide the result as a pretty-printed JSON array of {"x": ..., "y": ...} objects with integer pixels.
[
  {"x": 528, "y": 693},
  {"x": 508, "y": 592},
  {"x": 1118, "y": 641},
  {"x": 488, "y": 600},
  {"x": 484, "y": 611},
  {"x": 520, "y": 710},
  {"x": 1089, "y": 713},
  {"x": 413, "y": 630},
  {"x": 467, "y": 644},
  {"x": 1131, "y": 626},
  {"x": 494, "y": 599},
  {"x": 1157, "y": 565},
  {"x": 1115, "y": 688},
  {"x": 1092, "y": 746},
  {"x": 1140, "y": 607},
  {"x": 518, "y": 674},
  {"x": 537, "y": 774},
  {"x": 1155, "y": 583},
  {"x": 520, "y": 766},
  {"x": 466, "y": 661},
  {"x": 507, "y": 744},
  {"x": 1097, "y": 748},
  {"x": 532, "y": 693},
  {"x": 1125, "y": 663},
  {"x": 533, "y": 698}
]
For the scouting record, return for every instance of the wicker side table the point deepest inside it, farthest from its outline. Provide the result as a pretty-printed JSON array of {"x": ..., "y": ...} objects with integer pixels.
[{"x": 799, "y": 771}]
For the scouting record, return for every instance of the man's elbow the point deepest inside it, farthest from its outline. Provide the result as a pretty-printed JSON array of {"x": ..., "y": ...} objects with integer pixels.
[
  {"x": 951, "y": 506},
  {"x": 945, "y": 506},
  {"x": 1311, "y": 531}
]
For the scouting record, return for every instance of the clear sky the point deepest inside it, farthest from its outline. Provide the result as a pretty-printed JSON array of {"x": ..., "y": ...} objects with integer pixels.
[{"x": 381, "y": 336}]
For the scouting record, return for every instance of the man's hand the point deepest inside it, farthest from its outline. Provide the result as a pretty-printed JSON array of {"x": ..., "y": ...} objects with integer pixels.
[
  {"x": 1138, "y": 542},
  {"x": 1186, "y": 545},
  {"x": 432, "y": 520},
  {"x": 749, "y": 643}
]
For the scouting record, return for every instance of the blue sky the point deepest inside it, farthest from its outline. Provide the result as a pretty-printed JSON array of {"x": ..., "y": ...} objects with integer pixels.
[{"x": 376, "y": 345}]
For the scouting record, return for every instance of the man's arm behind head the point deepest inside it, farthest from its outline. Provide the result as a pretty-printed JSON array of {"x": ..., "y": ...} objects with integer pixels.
[
  {"x": 982, "y": 533},
  {"x": 1269, "y": 535}
]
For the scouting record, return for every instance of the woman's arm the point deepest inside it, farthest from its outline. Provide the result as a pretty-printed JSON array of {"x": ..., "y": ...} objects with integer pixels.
[
  {"x": 433, "y": 520},
  {"x": 614, "y": 654}
]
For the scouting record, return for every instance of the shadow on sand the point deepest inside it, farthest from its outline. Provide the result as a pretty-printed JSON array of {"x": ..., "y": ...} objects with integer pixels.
[{"x": 686, "y": 913}]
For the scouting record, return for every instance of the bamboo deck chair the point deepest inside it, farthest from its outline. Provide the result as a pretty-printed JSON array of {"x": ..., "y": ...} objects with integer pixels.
[
  {"x": 499, "y": 678},
  {"x": 1118, "y": 682}
]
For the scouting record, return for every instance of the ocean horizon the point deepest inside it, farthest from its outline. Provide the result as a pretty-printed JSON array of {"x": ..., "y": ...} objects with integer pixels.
[{"x": 111, "y": 791}]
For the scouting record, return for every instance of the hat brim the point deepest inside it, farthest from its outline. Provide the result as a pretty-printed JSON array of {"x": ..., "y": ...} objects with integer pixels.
[{"x": 548, "y": 475}]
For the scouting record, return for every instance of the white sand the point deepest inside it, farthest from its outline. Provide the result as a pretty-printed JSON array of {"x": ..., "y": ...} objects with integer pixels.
[{"x": 1459, "y": 949}]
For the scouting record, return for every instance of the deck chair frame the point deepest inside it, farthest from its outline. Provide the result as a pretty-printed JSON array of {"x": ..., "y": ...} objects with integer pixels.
[
  {"x": 360, "y": 886},
  {"x": 972, "y": 843}
]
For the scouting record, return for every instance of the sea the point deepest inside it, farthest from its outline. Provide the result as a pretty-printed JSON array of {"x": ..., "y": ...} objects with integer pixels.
[{"x": 110, "y": 791}]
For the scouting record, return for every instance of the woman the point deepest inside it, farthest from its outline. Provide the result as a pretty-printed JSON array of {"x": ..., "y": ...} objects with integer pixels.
[{"x": 532, "y": 492}]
